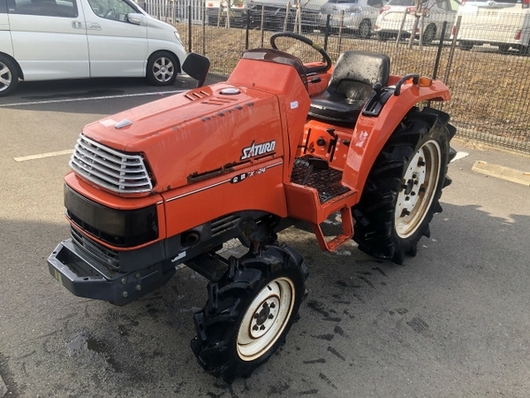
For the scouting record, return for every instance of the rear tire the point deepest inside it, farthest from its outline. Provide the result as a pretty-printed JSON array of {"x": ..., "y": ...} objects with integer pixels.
[
  {"x": 402, "y": 191},
  {"x": 8, "y": 76},
  {"x": 249, "y": 312},
  {"x": 162, "y": 68}
]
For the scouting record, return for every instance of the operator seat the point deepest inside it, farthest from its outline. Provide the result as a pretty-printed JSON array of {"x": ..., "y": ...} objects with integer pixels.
[{"x": 350, "y": 86}]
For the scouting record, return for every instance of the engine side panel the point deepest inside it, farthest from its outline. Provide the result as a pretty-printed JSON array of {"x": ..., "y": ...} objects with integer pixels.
[{"x": 256, "y": 186}]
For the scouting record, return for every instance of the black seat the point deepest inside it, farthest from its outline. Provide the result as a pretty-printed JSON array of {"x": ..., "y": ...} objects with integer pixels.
[{"x": 350, "y": 86}]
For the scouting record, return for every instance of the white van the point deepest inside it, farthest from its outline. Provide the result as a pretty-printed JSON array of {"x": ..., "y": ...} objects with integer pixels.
[
  {"x": 502, "y": 23},
  {"x": 75, "y": 39}
]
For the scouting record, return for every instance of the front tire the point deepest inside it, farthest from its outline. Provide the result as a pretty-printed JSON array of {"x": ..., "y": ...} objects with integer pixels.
[
  {"x": 249, "y": 312},
  {"x": 403, "y": 189},
  {"x": 162, "y": 68},
  {"x": 8, "y": 76}
]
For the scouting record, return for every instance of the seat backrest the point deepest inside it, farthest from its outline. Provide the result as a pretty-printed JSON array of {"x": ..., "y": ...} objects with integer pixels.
[{"x": 356, "y": 72}]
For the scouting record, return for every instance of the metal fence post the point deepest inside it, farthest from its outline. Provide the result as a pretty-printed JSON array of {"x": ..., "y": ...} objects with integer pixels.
[
  {"x": 327, "y": 32},
  {"x": 398, "y": 38},
  {"x": 189, "y": 29},
  {"x": 340, "y": 29},
  {"x": 204, "y": 29},
  {"x": 247, "y": 31},
  {"x": 286, "y": 19},
  {"x": 261, "y": 25},
  {"x": 452, "y": 50},
  {"x": 439, "y": 52}
]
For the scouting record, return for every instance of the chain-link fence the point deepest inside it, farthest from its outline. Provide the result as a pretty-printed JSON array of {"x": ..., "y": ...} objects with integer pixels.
[{"x": 488, "y": 80}]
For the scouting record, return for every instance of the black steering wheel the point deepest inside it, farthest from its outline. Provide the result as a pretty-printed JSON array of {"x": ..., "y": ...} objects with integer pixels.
[{"x": 316, "y": 69}]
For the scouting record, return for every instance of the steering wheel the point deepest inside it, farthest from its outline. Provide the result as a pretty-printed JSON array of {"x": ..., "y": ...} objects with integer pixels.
[
  {"x": 316, "y": 69},
  {"x": 110, "y": 13}
]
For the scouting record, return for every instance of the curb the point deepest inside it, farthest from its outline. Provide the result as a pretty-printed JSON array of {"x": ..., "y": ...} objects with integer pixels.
[{"x": 505, "y": 173}]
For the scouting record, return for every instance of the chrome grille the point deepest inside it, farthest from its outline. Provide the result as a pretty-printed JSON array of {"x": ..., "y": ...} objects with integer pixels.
[{"x": 116, "y": 171}]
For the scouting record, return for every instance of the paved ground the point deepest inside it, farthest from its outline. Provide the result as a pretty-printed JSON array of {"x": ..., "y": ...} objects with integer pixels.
[{"x": 452, "y": 322}]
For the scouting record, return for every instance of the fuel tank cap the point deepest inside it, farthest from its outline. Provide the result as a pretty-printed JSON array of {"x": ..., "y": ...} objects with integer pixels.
[{"x": 230, "y": 91}]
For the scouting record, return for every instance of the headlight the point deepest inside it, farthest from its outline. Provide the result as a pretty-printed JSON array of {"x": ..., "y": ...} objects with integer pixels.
[
  {"x": 177, "y": 36},
  {"x": 125, "y": 228}
]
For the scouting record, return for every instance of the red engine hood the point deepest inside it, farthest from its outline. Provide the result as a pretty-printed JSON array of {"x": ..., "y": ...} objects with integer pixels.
[{"x": 194, "y": 132}]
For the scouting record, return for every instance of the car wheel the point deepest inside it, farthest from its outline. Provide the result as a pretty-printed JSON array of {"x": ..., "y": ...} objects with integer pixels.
[
  {"x": 523, "y": 50},
  {"x": 8, "y": 76},
  {"x": 503, "y": 48},
  {"x": 365, "y": 29},
  {"x": 383, "y": 36},
  {"x": 162, "y": 68},
  {"x": 466, "y": 46},
  {"x": 429, "y": 34}
]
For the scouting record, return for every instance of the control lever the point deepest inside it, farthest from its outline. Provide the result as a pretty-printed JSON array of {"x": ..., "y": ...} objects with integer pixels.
[{"x": 332, "y": 142}]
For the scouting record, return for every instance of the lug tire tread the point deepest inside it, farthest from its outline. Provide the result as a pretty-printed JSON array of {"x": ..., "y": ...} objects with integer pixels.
[
  {"x": 217, "y": 324},
  {"x": 375, "y": 230}
]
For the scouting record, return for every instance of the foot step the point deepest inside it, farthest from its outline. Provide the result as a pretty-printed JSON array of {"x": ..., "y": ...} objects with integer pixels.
[{"x": 315, "y": 173}]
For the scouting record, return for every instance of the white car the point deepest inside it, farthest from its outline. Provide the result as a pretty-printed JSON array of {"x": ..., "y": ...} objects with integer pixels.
[
  {"x": 503, "y": 23},
  {"x": 434, "y": 13},
  {"x": 354, "y": 15},
  {"x": 217, "y": 10},
  {"x": 75, "y": 39}
]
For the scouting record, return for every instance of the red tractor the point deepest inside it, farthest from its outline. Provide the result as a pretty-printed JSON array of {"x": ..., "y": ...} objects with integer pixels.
[{"x": 279, "y": 142}]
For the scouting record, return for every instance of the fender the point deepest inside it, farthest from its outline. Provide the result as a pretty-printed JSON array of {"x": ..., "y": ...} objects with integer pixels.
[{"x": 371, "y": 133}]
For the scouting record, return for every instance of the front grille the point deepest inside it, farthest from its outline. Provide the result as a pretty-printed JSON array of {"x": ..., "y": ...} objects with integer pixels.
[{"x": 116, "y": 171}]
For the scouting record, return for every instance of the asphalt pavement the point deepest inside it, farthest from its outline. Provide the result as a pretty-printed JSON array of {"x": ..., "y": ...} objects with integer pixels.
[{"x": 452, "y": 322}]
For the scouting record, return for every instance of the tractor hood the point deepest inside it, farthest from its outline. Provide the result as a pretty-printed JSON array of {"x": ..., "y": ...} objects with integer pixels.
[{"x": 195, "y": 135}]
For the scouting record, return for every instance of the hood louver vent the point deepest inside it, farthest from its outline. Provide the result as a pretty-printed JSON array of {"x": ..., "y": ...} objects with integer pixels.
[{"x": 197, "y": 95}]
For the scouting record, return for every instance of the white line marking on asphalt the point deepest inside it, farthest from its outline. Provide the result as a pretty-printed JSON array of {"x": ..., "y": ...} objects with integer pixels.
[
  {"x": 44, "y": 155},
  {"x": 104, "y": 97},
  {"x": 459, "y": 155}
]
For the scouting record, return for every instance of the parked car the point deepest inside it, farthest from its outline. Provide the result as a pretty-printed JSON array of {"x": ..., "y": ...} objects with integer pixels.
[
  {"x": 74, "y": 39},
  {"x": 504, "y": 24},
  {"x": 434, "y": 13},
  {"x": 217, "y": 11},
  {"x": 354, "y": 15},
  {"x": 278, "y": 15}
]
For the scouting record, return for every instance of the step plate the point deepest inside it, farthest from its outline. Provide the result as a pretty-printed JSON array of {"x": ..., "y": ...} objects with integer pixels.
[{"x": 325, "y": 181}]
